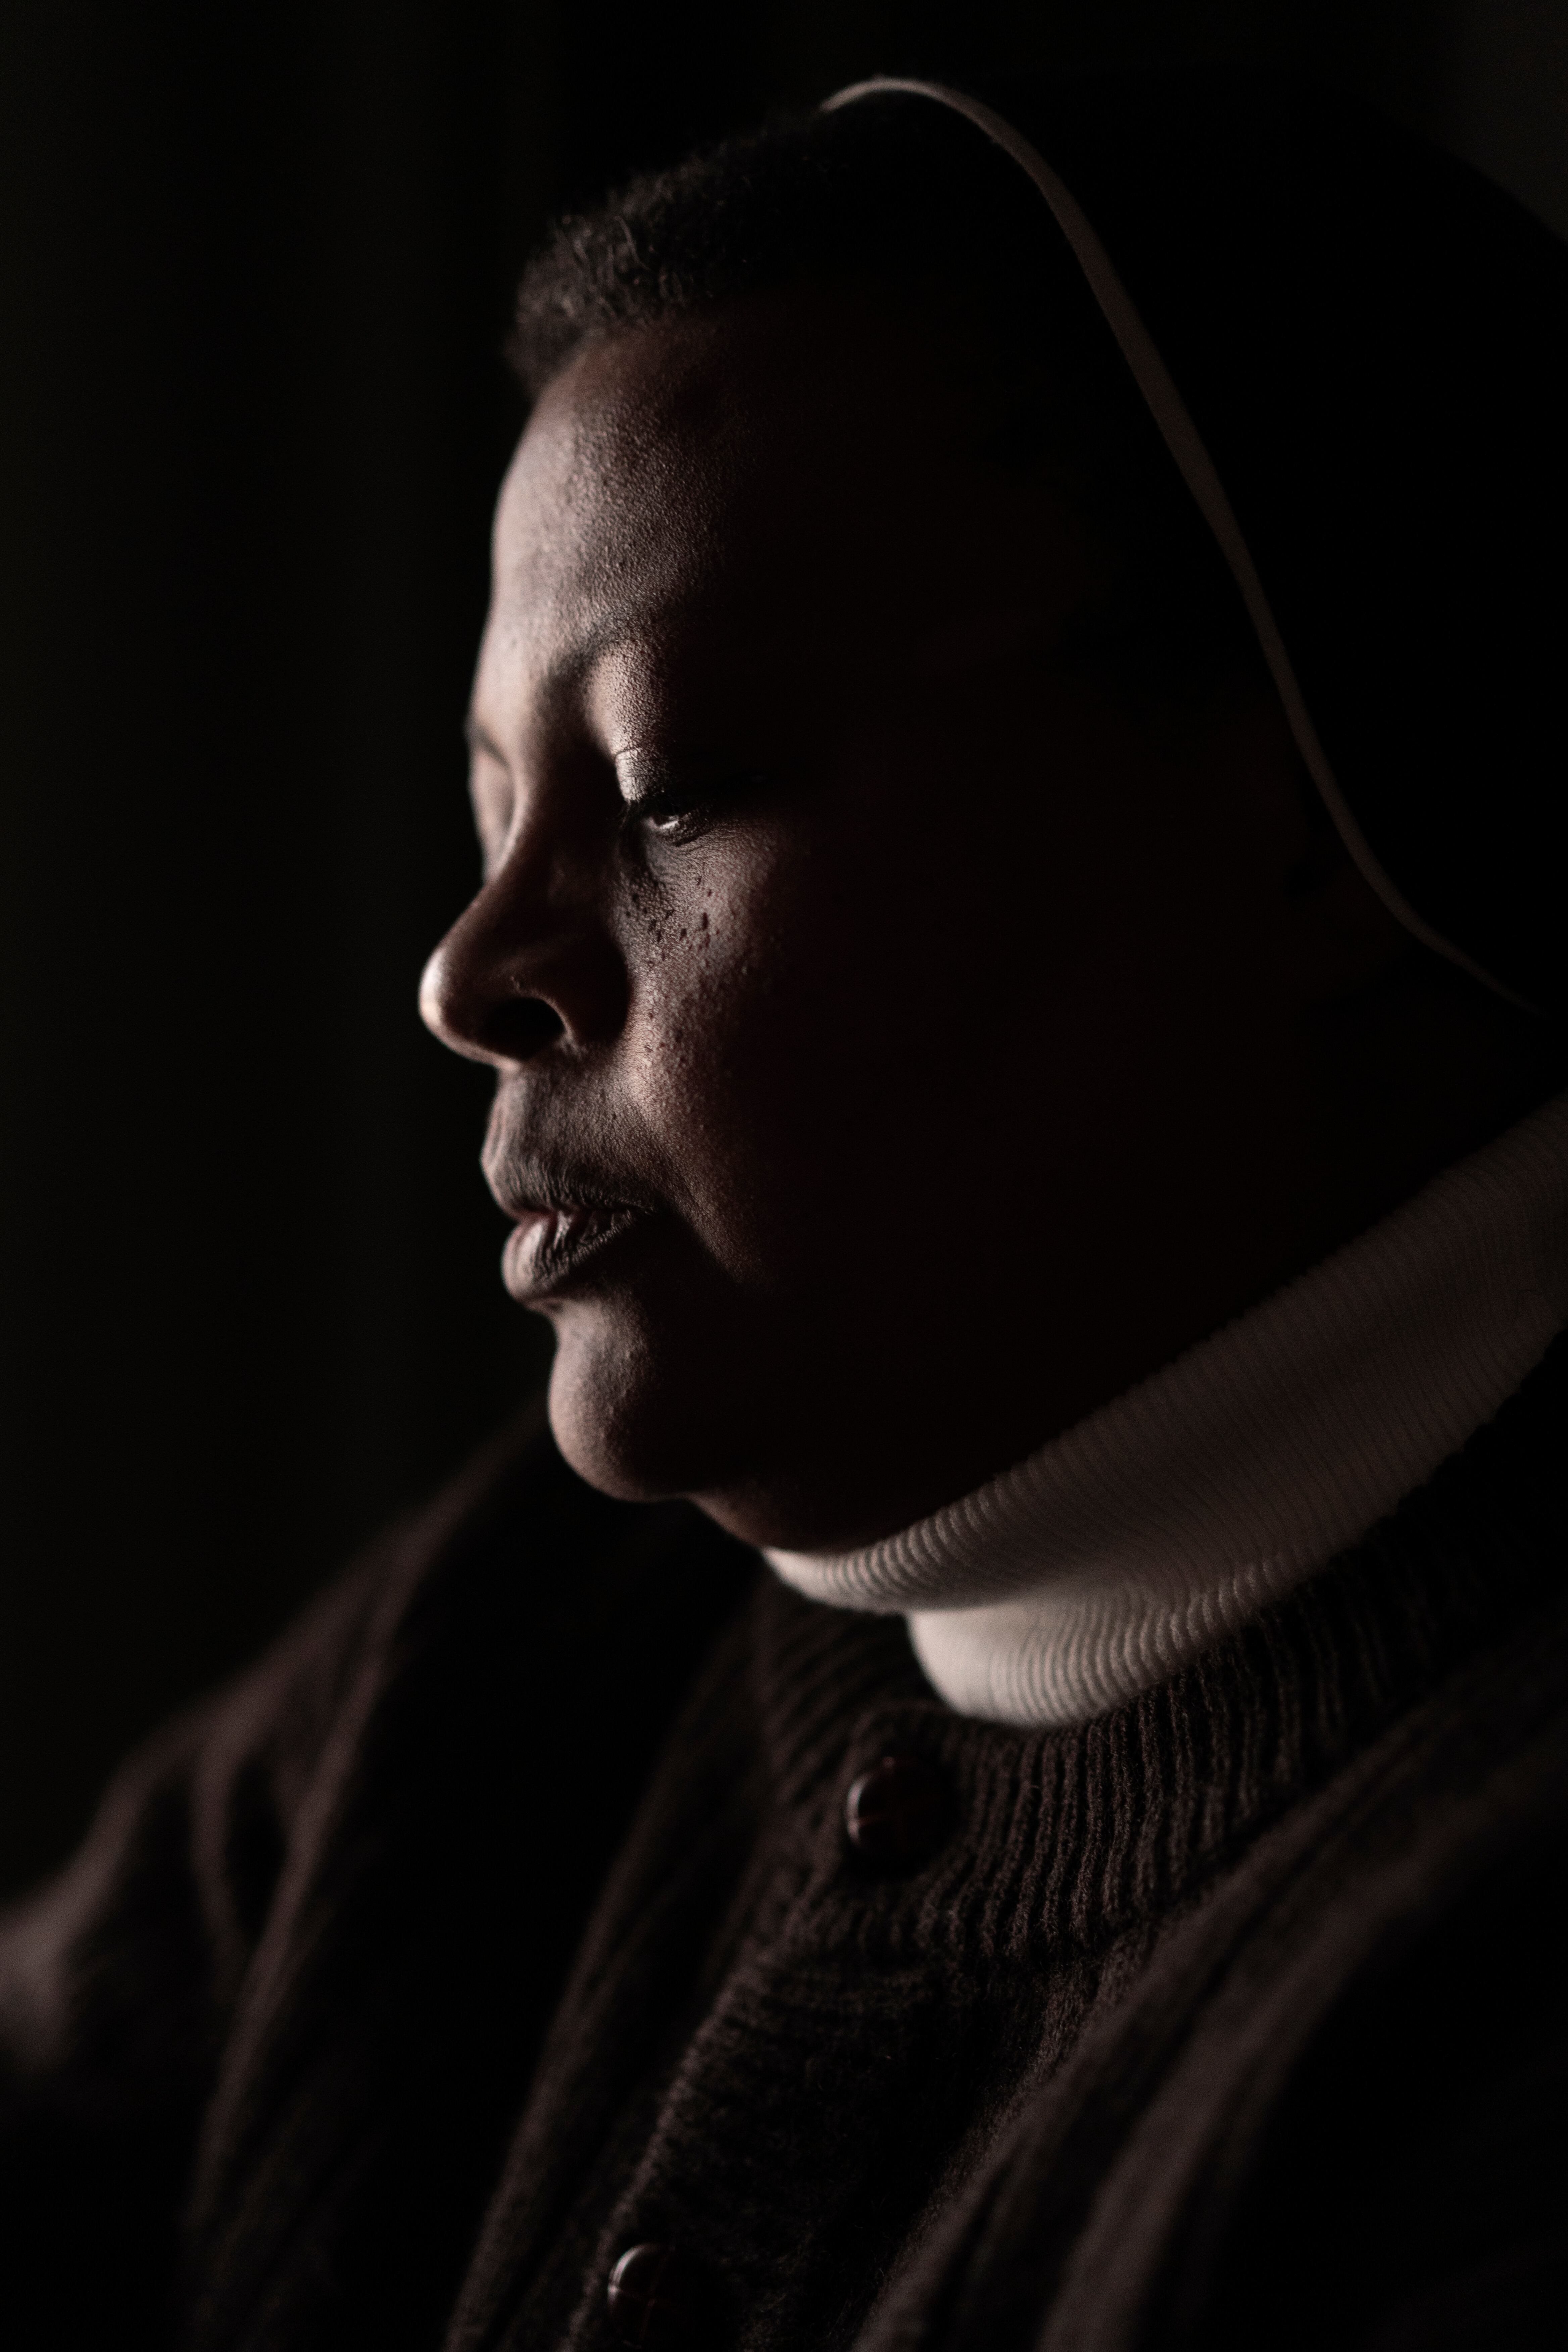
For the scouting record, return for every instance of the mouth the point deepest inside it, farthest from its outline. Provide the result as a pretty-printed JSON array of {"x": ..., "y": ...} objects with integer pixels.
[{"x": 554, "y": 1243}]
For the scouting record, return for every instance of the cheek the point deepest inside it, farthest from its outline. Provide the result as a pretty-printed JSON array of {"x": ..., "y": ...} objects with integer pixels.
[
  {"x": 733, "y": 960},
  {"x": 812, "y": 1042}
]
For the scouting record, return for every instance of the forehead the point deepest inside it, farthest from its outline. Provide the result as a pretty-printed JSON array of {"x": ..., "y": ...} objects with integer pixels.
[
  {"x": 619, "y": 470},
  {"x": 780, "y": 467}
]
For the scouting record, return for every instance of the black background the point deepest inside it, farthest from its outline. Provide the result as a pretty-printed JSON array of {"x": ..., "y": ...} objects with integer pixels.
[{"x": 256, "y": 266}]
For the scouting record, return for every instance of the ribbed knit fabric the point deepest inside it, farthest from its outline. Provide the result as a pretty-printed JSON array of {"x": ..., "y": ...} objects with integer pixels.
[
  {"x": 843, "y": 2037},
  {"x": 1175, "y": 1514},
  {"x": 505, "y": 1919}
]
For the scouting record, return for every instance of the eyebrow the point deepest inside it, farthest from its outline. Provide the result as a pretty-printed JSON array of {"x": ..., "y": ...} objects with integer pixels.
[{"x": 609, "y": 632}]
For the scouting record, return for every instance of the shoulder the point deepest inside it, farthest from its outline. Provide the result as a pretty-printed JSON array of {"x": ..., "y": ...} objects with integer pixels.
[
  {"x": 1326, "y": 2116},
  {"x": 1410, "y": 2188},
  {"x": 1391, "y": 2170},
  {"x": 469, "y": 1636},
  {"x": 383, "y": 1835}
]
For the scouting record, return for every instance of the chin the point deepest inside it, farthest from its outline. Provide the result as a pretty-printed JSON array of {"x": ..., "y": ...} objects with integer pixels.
[
  {"x": 648, "y": 1407},
  {"x": 628, "y": 1415}
]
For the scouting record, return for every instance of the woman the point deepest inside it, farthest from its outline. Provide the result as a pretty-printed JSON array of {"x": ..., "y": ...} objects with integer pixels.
[{"x": 1019, "y": 954}]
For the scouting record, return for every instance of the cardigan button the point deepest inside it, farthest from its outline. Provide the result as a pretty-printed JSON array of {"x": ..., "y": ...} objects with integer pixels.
[
  {"x": 898, "y": 1814},
  {"x": 653, "y": 2296}
]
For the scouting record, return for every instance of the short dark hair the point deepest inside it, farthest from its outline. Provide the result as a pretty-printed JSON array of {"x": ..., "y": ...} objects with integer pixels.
[{"x": 907, "y": 198}]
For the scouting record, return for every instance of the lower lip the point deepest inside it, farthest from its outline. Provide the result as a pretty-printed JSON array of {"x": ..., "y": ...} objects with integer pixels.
[{"x": 552, "y": 1247}]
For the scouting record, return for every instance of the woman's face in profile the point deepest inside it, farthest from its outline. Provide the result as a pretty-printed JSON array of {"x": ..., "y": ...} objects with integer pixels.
[{"x": 880, "y": 1014}]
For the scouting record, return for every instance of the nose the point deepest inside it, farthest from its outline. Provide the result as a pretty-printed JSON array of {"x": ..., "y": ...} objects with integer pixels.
[{"x": 527, "y": 965}]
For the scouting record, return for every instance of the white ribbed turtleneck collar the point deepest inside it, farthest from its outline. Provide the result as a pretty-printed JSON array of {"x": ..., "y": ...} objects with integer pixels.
[{"x": 1164, "y": 1520}]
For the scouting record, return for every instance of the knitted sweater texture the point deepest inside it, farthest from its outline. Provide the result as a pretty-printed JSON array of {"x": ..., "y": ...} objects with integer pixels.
[{"x": 405, "y": 1987}]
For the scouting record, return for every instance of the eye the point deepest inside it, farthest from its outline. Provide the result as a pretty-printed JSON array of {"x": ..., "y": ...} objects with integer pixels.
[{"x": 676, "y": 805}]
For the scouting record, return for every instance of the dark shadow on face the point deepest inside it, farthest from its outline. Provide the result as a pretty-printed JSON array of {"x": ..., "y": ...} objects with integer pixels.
[{"x": 900, "y": 1047}]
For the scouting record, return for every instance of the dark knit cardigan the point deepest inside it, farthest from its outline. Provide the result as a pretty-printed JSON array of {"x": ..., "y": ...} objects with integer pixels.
[{"x": 504, "y": 1918}]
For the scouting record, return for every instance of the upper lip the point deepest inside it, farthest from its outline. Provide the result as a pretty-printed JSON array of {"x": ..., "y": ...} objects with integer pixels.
[{"x": 528, "y": 1185}]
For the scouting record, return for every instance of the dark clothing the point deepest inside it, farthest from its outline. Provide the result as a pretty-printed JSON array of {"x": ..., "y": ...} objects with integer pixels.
[{"x": 505, "y": 1918}]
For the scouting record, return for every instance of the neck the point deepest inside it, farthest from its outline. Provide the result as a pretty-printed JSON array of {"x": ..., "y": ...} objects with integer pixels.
[{"x": 1176, "y": 1512}]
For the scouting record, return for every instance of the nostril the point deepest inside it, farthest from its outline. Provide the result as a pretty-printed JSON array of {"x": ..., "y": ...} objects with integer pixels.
[
  {"x": 523, "y": 1027},
  {"x": 479, "y": 1007}
]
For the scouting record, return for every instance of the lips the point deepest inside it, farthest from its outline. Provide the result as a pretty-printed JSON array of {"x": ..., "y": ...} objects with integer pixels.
[{"x": 552, "y": 1247}]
